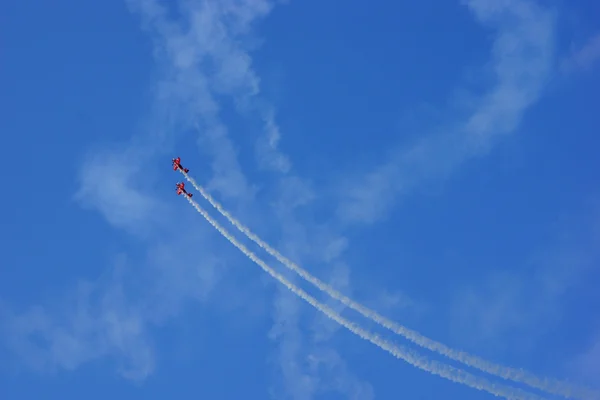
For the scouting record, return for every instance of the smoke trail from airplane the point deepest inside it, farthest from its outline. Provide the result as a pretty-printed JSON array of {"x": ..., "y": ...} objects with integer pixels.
[
  {"x": 548, "y": 385},
  {"x": 434, "y": 367}
]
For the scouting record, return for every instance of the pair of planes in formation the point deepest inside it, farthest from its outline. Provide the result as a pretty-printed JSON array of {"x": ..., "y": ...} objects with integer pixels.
[{"x": 180, "y": 185}]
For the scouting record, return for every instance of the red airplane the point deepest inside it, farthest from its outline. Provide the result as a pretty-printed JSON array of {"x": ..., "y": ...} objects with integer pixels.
[
  {"x": 181, "y": 189},
  {"x": 177, "y": 165}
]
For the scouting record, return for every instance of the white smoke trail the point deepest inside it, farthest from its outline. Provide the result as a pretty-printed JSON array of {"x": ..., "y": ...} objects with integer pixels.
[
  {"x": 552, "y": 386},
  {"x": 411, "y": 357}
]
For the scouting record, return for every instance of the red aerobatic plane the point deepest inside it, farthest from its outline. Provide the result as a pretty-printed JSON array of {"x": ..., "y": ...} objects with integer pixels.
[
  {"x": 177, "y": 165},
  {"x": 181, "y": 189}
]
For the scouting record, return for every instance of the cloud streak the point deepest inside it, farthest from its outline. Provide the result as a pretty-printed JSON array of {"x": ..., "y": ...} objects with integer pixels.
[
  {"x": 205, "y": 55},
  {"x": 585, "y": 57},
  {"x": 522, "y": 60},
  {"x": 97, "y": 321}
]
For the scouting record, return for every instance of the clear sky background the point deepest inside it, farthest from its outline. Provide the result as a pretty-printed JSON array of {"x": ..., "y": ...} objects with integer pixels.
[{"x": 436, "y": 161}]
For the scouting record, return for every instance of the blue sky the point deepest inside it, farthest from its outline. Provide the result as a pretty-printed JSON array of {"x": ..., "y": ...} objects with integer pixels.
[{"x": 435, "y": 162}]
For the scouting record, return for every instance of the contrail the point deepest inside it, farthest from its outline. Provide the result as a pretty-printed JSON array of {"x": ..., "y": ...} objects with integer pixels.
[
  {"x": 517, "y": 375},
  {"x": 411, "y": 357}
]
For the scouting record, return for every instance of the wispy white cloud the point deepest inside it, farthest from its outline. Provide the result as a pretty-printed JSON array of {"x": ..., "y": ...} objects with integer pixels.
[
  {"x": 206, "y": 55},
  {"x": 113, "y": 184},
  {"x": 327, "y": 363},
  {"x": 587, "y": 364},
  {"x": 583, "y": 58},
  {"x": 509, "y": 311},
  {"x": 522, "y": 61},
  {"x": 267, "y": 147},
  {"x": 115, "y": 316},
  {"x": 91, "y": 322}
]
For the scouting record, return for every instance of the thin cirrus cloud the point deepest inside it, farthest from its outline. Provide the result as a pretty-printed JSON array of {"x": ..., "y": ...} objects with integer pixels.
[
  {"x": 522, "y": 62},
  {"x": 584, "y": 58}
]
